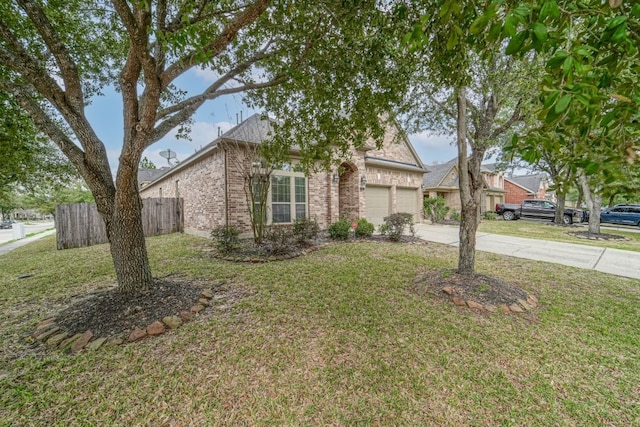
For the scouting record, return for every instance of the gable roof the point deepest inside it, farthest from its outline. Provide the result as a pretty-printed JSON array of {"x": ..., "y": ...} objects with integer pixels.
[
  {"x": 257, "y": 128},
  {"x": 531, "y": 183},
  {"x": 438, "y": 172}
]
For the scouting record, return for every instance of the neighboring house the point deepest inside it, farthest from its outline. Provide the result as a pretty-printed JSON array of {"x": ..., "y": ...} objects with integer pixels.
[
  {"x": 372, "y": 184},
  {"x": 443, "y": 180},
  {"x": 147, "y": 176},
  {"x": 519, "y": 188}
]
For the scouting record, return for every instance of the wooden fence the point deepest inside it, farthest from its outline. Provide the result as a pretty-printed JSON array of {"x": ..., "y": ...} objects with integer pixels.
[{"x": 80, "y": 224}]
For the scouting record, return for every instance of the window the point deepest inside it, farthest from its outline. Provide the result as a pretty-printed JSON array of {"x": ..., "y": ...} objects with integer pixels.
[
  {"x": 281, "y": 198},
  {"x": 288, "y": 196}
]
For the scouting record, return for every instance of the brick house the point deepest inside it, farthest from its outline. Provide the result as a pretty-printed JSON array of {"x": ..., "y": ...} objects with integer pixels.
[
  {"x": 371, "y": 184},
  {"x": 519, "y": 188},
  {"x": 442, "y": 180}
]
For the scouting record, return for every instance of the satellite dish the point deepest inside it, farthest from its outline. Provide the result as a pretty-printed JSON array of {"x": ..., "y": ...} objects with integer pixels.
[{"x": 169, "y": 154}]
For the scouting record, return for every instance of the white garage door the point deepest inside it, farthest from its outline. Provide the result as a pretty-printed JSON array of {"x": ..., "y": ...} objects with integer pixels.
[
  {"x": 378, "y": 204},
  {"x": 407, "y": 201}
]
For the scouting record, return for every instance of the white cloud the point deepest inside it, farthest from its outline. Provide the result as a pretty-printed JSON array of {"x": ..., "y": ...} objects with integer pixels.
[{"x": 434, "y": 148}]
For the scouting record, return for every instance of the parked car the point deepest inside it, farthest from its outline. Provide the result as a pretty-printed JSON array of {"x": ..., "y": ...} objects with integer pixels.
[
  {"x": 533, "y": 208},
  {"x": 6, "y": 224},
  {"x": 621, "y": 214}
]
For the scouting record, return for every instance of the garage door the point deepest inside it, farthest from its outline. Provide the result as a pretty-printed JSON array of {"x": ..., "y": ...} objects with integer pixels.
[
  {"x": 407, "y": 201},
  {"x": 378, "y": 204}
]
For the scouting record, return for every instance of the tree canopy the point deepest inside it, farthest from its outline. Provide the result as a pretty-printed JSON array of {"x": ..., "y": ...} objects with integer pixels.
[{"x": 326, "y": 68}]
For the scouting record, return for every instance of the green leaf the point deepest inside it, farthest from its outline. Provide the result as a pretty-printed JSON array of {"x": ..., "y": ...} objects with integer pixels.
[
  {"x": 549, "y": 8},
  {"x": 516, "y": 42},
  {"x": 614, "y": 22},
  {"x": 549, "y": 100},
  {"x": 540, "y": 31},
  {"x": 608, "y": 118},
  {"x": 479, "y": 24},
  {"x": 562, "y": 103},
  {"x": 567, "y": 65}
]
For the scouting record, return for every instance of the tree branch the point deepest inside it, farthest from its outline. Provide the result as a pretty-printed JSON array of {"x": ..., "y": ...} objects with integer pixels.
[
  {"x": 228, "y": 34},
  {"x": 215, "y": 86},
  {"x": 515, "y": 117},
  {"x": 163, "y": 128},
  {"x": 68, "y": 67},
  {"x": 452, "y": 114}
]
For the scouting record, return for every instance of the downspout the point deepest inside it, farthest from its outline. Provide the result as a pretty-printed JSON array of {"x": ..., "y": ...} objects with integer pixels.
[{"x": 226, "y": 188}]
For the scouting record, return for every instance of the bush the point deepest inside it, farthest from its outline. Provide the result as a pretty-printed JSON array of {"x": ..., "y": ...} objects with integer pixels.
[
  {"x": 455, "y": 215},
  {"x": 396, "y": 224},
  {"x": 364, "y": 228},
  {"x": 339, "y": 230},
  {"x": 280, "y": 239},
  {"x": 488, "y": 215},
  {"x": 305, "y": 229},
  {"x": 225, "y": 238},
  {"x": 435, "y": 209}
]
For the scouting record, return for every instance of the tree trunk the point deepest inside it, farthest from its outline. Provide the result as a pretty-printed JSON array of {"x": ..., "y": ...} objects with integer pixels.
[
  {"x": 594, "y": 203},
  {"x": 122, "y": 215},
  {"x": 469, "y": 192},
  {"x": 559, "y": 215}
]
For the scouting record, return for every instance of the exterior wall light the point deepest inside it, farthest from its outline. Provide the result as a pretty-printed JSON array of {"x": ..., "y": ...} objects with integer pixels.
[
  {"x": 336, "y": 178},
  {"x": 363, "y": 182}
]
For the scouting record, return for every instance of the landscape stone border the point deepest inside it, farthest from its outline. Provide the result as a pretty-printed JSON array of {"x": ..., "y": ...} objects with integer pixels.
[
  {"x": 55, "y": 338},
  {"x": 519, "y": 306}
]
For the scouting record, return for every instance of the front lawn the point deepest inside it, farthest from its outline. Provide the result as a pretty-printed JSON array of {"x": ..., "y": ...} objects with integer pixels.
[
  {"x": 337, "y": 337},
  {"x": 546, "y": 230}
]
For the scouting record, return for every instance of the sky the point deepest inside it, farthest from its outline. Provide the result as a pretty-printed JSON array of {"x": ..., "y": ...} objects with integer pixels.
[{"x": 105, "y": 114}]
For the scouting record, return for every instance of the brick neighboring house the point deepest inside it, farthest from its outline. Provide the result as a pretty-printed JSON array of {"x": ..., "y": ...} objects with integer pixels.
[
  {"x": 442, "y": 180},
  {"x": 519, "y": 188},
  {"x": 372, "y": 183}
]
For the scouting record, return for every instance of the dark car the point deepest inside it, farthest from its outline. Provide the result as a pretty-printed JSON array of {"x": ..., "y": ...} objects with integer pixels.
[
  {"x": 6, "y": 224},
  {"x": 621, "y": 214}
]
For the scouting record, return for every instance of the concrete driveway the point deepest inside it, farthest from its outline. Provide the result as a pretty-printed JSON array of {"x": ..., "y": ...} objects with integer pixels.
[{"x": 606, "y": 260}]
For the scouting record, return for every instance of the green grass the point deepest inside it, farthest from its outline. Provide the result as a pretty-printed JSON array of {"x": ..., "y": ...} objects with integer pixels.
[
  {"x": 333, "y": 338},
  {"x": 545, "y": 231}
]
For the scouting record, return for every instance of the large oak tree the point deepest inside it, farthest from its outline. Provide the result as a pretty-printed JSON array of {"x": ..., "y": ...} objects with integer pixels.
[{"x": 327, "y": 65}]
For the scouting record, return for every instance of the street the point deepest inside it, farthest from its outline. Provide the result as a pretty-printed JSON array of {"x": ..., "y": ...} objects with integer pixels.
[{"x": 30, "y": 227}]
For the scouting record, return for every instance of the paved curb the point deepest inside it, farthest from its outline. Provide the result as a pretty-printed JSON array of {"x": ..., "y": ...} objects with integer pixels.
[{"x": 17, "y": 243}]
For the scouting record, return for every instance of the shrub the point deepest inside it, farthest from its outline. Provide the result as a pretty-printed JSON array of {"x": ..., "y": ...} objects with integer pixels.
[
  {"x": 364, "y": 228},
  {"x": 383, "y": 229},
  {"x": 455, "y": 215},
  {"x": 225, "y": 238},
  {"x": 489, "y": 215},
  {"x": 305, "y": 229},
  {"x": 280, "y": 239},
  {"x": 396, "y": 224},
  {"x": 339, "y": 230},
  {"x": 435, "y": 209}
]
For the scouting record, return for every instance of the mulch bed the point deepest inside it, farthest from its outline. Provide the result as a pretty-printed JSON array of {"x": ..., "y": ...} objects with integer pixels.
[
  {"x": 482, "y": 289},
  {"x": 593, "y": 236},
  {"x": 110, "y": 312}
]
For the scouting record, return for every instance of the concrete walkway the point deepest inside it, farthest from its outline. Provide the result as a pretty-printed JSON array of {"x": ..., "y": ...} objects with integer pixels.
[
  {"x": 17, "y": 243},
  {"x": 606, "y": 260}
]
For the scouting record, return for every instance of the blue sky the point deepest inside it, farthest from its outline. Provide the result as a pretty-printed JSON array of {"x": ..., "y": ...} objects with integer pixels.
[{"x": 105, "y": 114}]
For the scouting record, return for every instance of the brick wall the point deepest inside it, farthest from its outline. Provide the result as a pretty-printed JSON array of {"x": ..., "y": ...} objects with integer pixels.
[
  {"x": 394, "y": 147},
  {"x": 515, "y": 194},
  {"x": 201, "y": 184}
]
